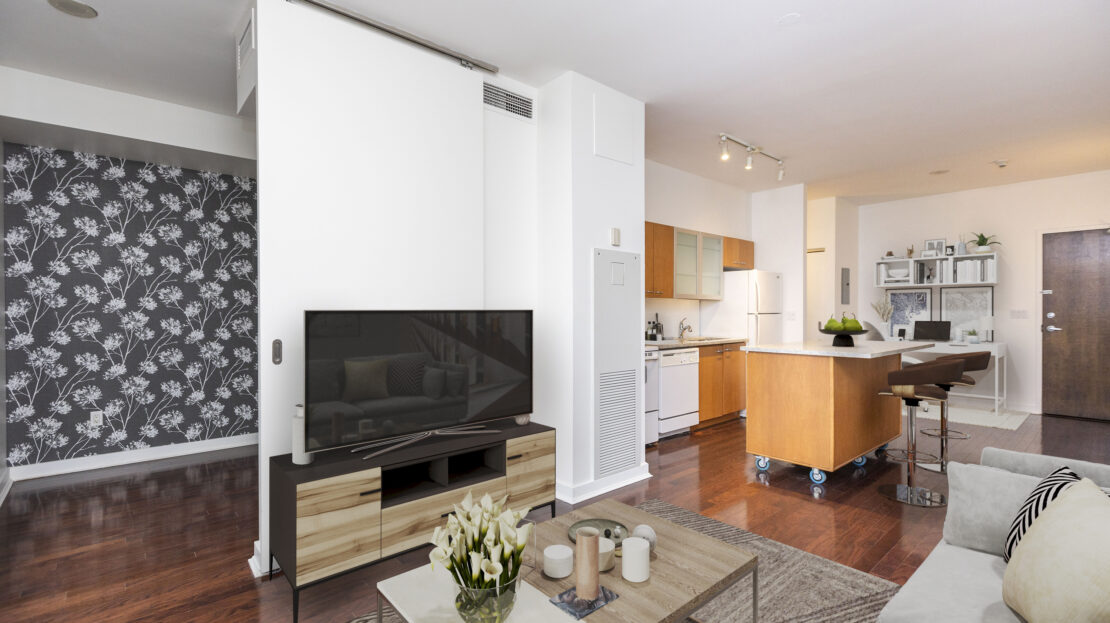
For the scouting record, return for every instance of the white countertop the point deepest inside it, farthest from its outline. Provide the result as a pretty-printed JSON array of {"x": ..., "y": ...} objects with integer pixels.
[
  {"x": 862, "y": 349},
  {"x": 692, "y": 342}
]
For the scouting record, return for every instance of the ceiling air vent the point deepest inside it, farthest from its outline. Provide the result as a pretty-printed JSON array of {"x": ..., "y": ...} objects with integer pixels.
[{"x": 507, "y": 100}]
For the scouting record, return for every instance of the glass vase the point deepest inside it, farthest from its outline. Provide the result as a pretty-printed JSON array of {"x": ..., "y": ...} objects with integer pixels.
[{"x": 487, "y": 605}]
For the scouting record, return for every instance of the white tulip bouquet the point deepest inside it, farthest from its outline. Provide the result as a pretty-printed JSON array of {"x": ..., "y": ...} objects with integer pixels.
[{"x": 482, "y": 546}]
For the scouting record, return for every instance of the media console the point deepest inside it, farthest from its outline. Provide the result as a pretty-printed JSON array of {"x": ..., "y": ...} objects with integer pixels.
[{"x": 342, "y": 513}]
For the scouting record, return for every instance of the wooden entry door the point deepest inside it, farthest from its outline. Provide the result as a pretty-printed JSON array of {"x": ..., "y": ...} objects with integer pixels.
[{"x": 1075, "y": 329}]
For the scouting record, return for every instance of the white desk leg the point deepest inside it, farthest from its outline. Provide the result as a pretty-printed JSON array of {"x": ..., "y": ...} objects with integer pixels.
[
  {"x": 1005, "y": 382},
  {"x": 997, "y": 365}
]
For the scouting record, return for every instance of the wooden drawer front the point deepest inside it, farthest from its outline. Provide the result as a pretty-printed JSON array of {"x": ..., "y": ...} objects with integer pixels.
[
  {"x": 338, "y": 524},
  {"x": 410, "y": 525},
  {"x": 530, "y": 470}
]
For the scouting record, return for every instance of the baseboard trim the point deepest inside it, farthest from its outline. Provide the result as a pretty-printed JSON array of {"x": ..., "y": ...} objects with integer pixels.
[
  {"x": 5, "y": 484},
  {"x": 127, "y": 457},
  {"x": 257, "y": 562},
  {"x": 573, "y": 494}
]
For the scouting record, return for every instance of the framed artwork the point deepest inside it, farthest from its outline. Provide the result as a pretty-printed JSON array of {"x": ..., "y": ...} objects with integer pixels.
[
  {"x": 936, "y": 246},
  {"x": 950, "y": 250},
  {"x": 909, "y": 305},
  {"x": 966, "y": 307},
  {"x": 929, "y": 253}
]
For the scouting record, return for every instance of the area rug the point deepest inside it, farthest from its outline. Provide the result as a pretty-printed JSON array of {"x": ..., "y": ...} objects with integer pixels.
[
  {"x": 794, "y": 586},
  {"x": 1006, "y": 419}
]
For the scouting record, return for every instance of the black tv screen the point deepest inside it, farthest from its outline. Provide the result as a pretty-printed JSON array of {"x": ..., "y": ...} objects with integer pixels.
[{"x": 372, "y": 375}]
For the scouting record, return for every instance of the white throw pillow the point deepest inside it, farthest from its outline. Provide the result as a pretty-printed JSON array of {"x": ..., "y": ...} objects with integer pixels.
[{"x": 1060, "y": 571}]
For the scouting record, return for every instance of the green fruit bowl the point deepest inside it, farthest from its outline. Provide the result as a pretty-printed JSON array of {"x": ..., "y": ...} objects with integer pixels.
[{"x": 843, "y": 336}]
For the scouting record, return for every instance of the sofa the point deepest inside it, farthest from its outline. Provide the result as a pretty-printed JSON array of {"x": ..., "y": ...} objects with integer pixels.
[{"x": 961, "y": 579}]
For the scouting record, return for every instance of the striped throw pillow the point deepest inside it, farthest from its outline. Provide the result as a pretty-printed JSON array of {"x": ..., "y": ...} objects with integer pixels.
[{"x": 1043, "y": 494}]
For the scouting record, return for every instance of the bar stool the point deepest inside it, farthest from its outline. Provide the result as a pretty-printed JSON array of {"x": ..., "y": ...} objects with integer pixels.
[
  {"x": 973, "y": 362},
  {"x": 912, "y": 385}
]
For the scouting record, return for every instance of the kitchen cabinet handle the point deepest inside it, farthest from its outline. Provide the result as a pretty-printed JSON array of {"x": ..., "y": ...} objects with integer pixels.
[{"x": 372, "y": 492}]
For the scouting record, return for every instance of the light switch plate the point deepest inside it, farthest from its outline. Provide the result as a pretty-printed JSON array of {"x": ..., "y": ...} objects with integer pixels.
[{"x": 615, "y": 236}]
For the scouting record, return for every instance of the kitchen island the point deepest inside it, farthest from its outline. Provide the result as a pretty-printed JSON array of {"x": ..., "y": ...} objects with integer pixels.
[{"x": 818, "y": 405}]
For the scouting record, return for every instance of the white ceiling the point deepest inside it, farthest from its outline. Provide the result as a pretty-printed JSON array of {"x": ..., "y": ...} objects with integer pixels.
[{"x": 862, "y": 98}]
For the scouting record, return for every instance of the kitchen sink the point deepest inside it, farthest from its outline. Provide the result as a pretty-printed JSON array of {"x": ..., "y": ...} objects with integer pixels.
[{"x": 703, "y": 339}]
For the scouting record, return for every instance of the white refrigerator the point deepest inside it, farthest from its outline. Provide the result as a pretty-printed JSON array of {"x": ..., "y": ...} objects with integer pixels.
[{"x": 750, "y": 306}]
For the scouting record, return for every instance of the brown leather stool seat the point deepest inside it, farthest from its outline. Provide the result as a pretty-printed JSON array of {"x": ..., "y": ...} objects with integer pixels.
[
  {"x": 914, "y": 384},
  {"x": 973, "y": 362}
]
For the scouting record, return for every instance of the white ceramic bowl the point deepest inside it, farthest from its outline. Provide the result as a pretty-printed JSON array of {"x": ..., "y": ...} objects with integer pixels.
[{"x": 899, "y": 273}]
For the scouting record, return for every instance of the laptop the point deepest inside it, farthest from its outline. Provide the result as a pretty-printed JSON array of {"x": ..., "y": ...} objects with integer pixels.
[{"x": 932, "y": 330}]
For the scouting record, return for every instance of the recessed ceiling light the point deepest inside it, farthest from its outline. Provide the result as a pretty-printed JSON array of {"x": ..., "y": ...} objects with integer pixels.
[
  {"x": 789, "y": 19},
  {"x": 938, "y": 172},
  {"x": 74, "y": 8}
]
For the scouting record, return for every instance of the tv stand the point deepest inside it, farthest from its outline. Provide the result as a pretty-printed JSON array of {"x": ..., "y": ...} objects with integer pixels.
[
  {"x": 344, "y": 512},
  {"x": 407, "y": 440}
]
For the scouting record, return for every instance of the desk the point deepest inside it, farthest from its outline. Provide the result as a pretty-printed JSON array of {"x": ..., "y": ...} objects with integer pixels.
[{"x": 998, "y": 354}]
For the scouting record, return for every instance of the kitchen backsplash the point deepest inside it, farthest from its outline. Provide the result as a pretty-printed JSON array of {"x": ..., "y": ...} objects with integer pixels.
[{"x": 671, "y": 311}]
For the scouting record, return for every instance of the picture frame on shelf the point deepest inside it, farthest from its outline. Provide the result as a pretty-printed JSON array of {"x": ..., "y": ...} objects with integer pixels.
[
  {"x": 950, "y": 250},
  {"x": 966, "y": 307},
  {"x": 929, "y": 253},
  {"x": 910, "y": 305},
  {"x": 935, "y": 245}
]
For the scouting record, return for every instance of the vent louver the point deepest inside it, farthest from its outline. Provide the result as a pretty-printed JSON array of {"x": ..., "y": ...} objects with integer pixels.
[
  {"x": 617, "y": 419},
  {"x": 507, "y": 100}
]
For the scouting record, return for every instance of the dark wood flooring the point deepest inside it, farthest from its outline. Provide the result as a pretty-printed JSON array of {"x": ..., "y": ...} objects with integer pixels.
[{"x": 169, "y": 541}]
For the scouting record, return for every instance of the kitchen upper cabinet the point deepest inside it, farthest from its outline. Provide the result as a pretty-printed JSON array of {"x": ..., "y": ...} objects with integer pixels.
[
  {"x": 710, "y": 265},
  {"x": 659, "y": 248},
  {"x": 686, "y": 264},
  {"x": 739, "y": 254},
  {"x": 710, "y": 375},
  {"x": 734, "y": 378}
]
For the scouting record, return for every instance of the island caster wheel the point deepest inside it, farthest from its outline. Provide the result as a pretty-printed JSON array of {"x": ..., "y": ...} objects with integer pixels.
[
  {"x": 762, "y": 463},
  {"x": 817, "y": 476},
  {"x": 860, "y": 462},
  {"x": 880, "y": 451}
]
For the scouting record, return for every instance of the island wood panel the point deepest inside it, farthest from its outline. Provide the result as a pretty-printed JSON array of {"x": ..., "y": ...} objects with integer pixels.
[
  {"x": 411, "y": 524},
  {"x": 864, "y": 419},
  {"x": 688, "y": 568},
  {"x": 710, "y": 390},
  {"x": 790, "y": 408},
  {"x": 530, "y": 470},
  {"x": 734, "y": 379},
  {"x": 338, "y": 524}
]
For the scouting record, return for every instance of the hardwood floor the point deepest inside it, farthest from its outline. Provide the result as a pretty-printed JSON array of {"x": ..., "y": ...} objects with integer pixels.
[{"x": 169, "y": 541}]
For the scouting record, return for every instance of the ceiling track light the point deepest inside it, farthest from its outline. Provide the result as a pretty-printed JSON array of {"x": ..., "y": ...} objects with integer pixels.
[
  {"x": 74, "y": 8},
  {"x": 751, "y": 150}
]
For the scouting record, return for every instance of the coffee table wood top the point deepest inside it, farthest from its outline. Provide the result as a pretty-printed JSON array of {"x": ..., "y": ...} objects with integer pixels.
[{"x": 688, "y": 568}]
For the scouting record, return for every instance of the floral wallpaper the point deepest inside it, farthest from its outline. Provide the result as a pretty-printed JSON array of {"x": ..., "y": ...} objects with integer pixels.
[{"x": 131, "y": 289}]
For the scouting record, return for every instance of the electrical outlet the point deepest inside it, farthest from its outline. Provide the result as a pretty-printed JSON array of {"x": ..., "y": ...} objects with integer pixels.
[{"x": 96, "y": 418}]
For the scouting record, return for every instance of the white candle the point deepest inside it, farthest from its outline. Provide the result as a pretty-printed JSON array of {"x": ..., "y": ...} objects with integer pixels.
[
  {"x": 605, "y": 558},
  {"x": 636, "y": 559},
  {"x": 558, "y": 561}
]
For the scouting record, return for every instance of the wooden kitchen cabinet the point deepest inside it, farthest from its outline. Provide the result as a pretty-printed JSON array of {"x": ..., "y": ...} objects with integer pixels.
[
  {"x": 734, "y": 378},
  {"x": 739, "y": 254},
  {"x": 710, "y": 375},
  {"x": 658, "y": 261}
]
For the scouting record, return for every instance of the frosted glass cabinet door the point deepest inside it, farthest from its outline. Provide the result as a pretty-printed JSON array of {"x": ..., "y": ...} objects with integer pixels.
[
  {"x": 685, "y": 264},
  {"x": 712, "y": 263}
]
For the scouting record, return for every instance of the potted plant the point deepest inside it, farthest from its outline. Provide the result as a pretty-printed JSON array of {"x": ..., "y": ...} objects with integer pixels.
[
  {"x": 482, "y": 547},
  {"x": 981, "y": 244},
  {"x": 885, "y": 310},
  {"x": 972, "y": 337}
]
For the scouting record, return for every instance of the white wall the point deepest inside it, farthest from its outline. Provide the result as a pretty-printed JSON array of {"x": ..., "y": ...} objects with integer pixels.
[
  {"x": 511, "y": 204},
  {"x": 832, "y": 224},
  {"x": 582, "y": 195},
  {"x": 675, "y": 197},
  {"x": 1018, "y": 214},
  {"x": 371, "y": 190},
  {"x": 779, "y": 233},
  {"x": 43, "y": 99}
]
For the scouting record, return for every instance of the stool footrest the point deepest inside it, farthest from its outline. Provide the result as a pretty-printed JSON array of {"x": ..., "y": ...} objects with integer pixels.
[
  {"x": 952, "y": 434},
  {"x": 898, "y": 455}
]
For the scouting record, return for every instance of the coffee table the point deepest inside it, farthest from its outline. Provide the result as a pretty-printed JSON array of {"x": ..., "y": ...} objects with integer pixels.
[{"x": 688, "y": 569}]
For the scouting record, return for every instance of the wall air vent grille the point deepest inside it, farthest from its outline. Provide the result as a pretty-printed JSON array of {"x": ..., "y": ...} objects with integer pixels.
[
  {"x": 507, "y": 100},
  {"x": 617, "y": 422}
]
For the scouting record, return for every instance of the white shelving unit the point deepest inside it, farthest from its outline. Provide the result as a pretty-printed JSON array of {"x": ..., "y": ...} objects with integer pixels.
[{"x": 978, "y": 269}]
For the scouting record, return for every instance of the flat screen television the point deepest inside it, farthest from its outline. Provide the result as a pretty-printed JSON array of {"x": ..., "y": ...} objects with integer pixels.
[{"x": 374, "y": 375}]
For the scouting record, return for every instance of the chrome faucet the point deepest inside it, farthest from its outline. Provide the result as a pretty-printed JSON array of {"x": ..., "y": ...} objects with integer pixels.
[{"x": 682, "y": 329}]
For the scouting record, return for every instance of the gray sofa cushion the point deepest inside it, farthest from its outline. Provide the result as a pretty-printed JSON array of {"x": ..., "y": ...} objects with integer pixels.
[
  {"x": 1040, "y": 465},
  {"x": 953, "y": 584},
  {"x": 982, "y": 503}
]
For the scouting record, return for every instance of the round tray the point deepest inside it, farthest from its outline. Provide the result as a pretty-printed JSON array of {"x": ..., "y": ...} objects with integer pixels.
[
  {"x": 613, "y": 530},
  {"x": 843, "y": 337}
]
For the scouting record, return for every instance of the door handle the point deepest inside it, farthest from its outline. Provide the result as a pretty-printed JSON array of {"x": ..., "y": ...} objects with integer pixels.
[{"x": 1052, "y": 328}]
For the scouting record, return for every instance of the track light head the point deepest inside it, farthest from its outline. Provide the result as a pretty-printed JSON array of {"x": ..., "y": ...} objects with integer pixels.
[
  {"x": 724, "y": 150},
  {"x": 748, "y": 164},
  {"x": 782, "y": 171}
]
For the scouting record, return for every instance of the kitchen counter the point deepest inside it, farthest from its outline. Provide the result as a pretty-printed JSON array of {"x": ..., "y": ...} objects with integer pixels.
[
  {"x": 862, "y": 349},
  {"x": 693, "y": 343}
]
